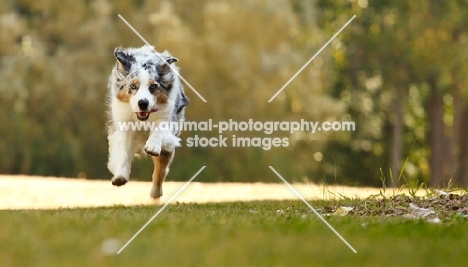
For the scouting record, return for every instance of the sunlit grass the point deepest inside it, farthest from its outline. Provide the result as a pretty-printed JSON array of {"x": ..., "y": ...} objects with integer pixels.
[{"x": 231, "y": 234}]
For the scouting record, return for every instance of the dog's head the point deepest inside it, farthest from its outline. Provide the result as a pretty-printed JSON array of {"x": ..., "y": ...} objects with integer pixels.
[{"x": 144, "y": 79}]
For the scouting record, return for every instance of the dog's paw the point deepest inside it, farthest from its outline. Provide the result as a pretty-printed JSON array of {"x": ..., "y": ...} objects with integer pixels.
[
  {"x": 118, "y": 181},
  {"x": 153, "y": 150},
  {"x": 156, "y": 192}
]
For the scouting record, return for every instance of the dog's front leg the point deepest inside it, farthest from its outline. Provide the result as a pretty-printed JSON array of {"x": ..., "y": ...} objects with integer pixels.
[
  {"x": 161, "y": 145},
  {"x": 154, "y": 143},
  {"x": 121, "y": 153},
  {"x": 161, "y": 168}
]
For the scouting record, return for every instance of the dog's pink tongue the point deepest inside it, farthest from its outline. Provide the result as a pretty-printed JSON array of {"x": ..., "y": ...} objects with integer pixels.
[{"x": 154, "y": 109}]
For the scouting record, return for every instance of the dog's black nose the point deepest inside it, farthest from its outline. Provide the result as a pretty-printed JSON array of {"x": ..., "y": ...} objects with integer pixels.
[{"x": 143, "y": 104}]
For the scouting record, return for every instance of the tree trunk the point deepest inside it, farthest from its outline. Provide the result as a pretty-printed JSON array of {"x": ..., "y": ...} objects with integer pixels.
[
  {"x": 397, "y": 136},
  {"x": 463, "y": 141},
  {"x": 460, "y": 123},
  {"x": 441, "y": 159},
  {"x": 457, "y": 137}
]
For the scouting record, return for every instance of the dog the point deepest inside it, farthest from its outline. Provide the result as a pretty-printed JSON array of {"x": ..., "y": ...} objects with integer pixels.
[{"x": 143, "y": 88}]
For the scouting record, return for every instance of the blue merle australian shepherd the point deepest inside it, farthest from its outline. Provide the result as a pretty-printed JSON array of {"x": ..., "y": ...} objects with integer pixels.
[{"x": 143, "y": 88}]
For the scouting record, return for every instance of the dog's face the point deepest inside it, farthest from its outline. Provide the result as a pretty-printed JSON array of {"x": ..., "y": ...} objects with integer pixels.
[{"x": 144, "y": 79}]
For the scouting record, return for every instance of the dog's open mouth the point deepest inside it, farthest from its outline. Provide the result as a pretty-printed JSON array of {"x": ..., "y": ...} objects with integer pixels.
[{"x": 142, "y": 116}]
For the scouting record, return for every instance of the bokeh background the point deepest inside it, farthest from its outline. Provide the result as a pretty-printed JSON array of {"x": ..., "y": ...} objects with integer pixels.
[{"x": 398, "y": 71}]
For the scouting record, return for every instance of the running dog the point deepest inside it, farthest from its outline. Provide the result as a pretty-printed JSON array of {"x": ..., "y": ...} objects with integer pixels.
[{"x": 143, "y": 88}]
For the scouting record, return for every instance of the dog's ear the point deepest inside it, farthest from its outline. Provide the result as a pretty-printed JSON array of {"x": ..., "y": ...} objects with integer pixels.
[
  {"x": 171, "y": 59},
  {"x": 163, "y": 65},
  {"x": 124, "y": 60}
]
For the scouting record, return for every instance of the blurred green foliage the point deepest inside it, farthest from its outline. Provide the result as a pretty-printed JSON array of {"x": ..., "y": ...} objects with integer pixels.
[{"x": 56, "y": 56}]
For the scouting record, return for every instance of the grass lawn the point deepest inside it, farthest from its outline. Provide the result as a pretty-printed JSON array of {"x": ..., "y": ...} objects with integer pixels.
[{"x": 228, "y": 234}]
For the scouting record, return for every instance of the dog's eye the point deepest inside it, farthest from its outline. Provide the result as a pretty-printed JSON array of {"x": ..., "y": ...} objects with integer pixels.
[
  {"x": 153, "y": 86},
  {"x": 133, "y": 86}
]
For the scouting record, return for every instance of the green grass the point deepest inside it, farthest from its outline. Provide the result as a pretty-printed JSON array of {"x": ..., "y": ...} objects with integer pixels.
[{"x": 231, "y": 234}]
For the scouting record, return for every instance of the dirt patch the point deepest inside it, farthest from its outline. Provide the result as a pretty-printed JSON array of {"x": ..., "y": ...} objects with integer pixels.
[
  {"x": 30, "y": 192},
  {"x": 441, "y": 206}
]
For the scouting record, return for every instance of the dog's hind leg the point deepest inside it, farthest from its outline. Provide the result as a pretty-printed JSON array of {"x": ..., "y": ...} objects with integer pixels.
[
  {"x": 161, "y": 168},
  {"x": 121, "y": 153}
]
